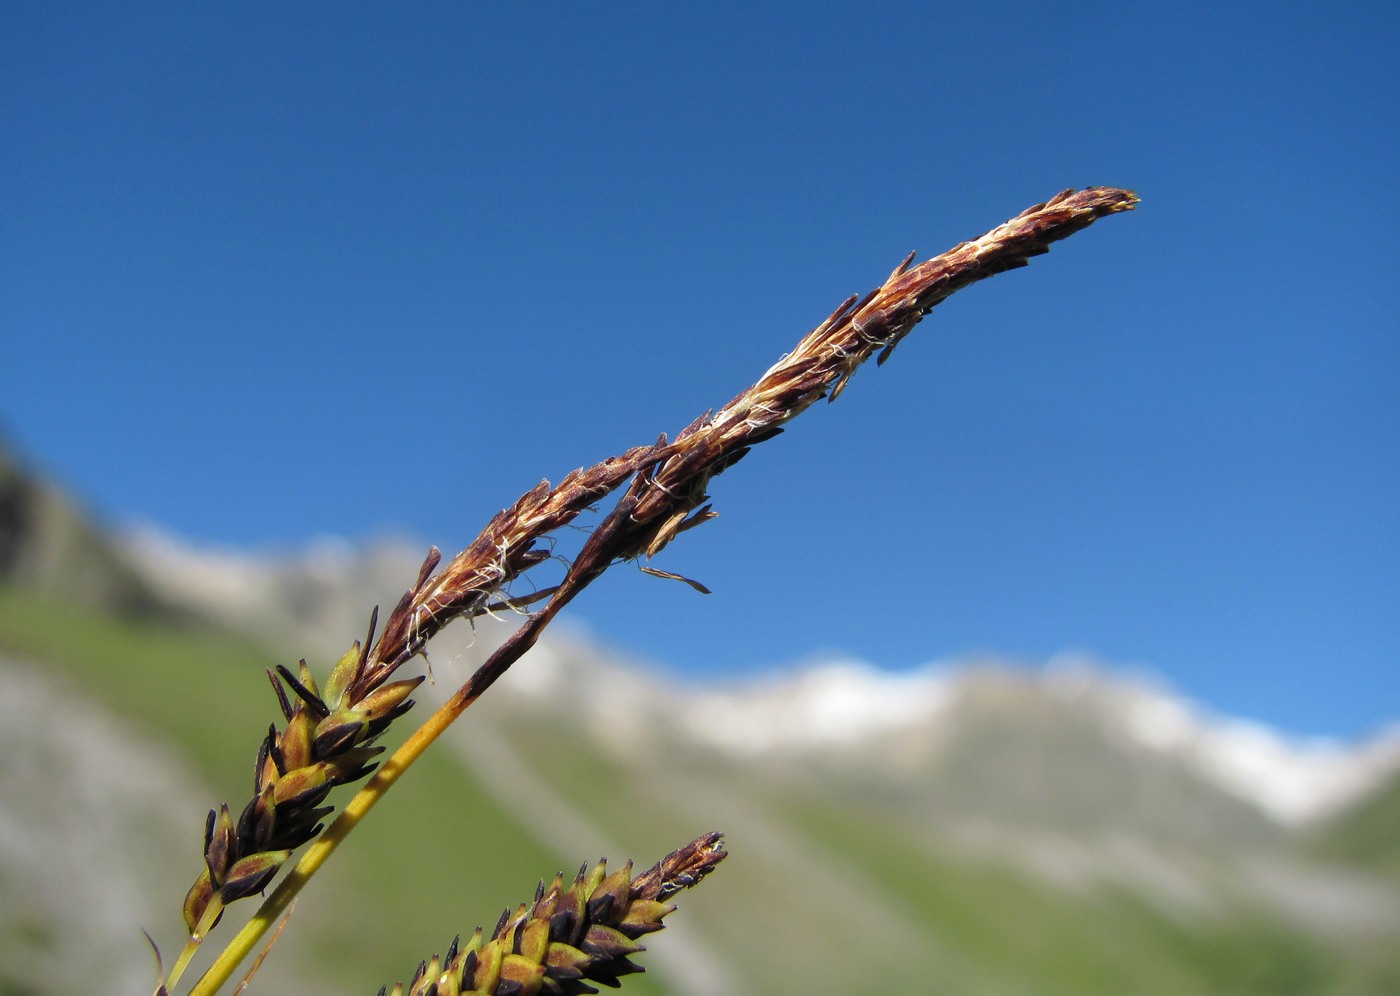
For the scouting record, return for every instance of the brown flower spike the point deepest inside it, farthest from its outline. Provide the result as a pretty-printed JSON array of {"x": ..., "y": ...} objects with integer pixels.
[
  {"x": 667, "y": 495},
  {"x": 328, "y": 739},
  {"x": 569, "y": 936}
]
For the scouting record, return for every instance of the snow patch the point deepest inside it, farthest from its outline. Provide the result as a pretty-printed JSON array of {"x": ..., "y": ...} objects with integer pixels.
[
  {"x": 1292, "y": 779},
  {"x": 834, "y": 704}
]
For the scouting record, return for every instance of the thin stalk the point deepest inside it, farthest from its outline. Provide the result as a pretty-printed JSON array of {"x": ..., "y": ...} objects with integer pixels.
[{"x": 206, "y": 923}]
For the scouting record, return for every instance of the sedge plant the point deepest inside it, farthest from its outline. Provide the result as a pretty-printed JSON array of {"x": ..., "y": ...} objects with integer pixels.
[{"x": 584, "y": 930}]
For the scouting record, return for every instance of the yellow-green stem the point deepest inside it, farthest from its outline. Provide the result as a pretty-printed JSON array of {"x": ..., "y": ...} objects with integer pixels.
[{"x": 196, "y": 938}]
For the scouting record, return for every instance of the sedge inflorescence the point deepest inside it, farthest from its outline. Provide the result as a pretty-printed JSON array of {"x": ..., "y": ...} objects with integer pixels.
[
  {"x": 570, "y": 935},
  {"x": 585, "y": 932}
]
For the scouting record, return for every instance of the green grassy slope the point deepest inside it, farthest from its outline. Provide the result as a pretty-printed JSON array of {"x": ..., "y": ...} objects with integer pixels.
[
  {"x": 1027, "y": 939},
  {"x": 1368, "y": 835},
  {"x": 827, "y": 893}
]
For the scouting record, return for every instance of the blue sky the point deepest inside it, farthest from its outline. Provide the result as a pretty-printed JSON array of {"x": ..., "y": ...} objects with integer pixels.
[{"x": 273, "y": 272}]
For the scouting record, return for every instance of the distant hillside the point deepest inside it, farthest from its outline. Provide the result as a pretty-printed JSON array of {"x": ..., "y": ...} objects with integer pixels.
[
  {"x": 982, "y": 828},
  {"x": 309, "y": 602},
  {"x": 48, "y": 545},
  {"x": 1015, "y": 875}
]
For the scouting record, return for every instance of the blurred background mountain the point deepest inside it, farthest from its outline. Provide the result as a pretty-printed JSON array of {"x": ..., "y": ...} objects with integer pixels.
[
  {"x": 980, "y": 826},
  {"x": 47, "y": 546}
]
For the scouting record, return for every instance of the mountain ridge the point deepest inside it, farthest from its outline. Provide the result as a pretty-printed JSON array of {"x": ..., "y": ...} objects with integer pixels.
[
  {"x": 315, "y": 598},
  {"x": 50, "y": 544},
  {"x": 1056, "y": 828}
]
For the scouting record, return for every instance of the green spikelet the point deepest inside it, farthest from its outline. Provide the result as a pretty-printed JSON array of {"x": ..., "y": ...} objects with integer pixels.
[{"x": 570, "y": 935}]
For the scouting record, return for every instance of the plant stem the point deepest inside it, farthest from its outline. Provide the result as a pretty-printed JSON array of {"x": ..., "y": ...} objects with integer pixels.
[{"x": 196, "y": 938}]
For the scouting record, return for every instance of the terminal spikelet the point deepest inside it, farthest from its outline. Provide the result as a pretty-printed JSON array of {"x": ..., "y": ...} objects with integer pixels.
[{"x": 572, "y": 934}]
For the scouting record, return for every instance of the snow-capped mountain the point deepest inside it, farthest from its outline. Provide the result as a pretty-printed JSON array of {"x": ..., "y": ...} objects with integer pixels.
[
  {"x": 917, "y": 721},
  {"x": 837, "y": 705},
  {"x": 993, "y": 821}
]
